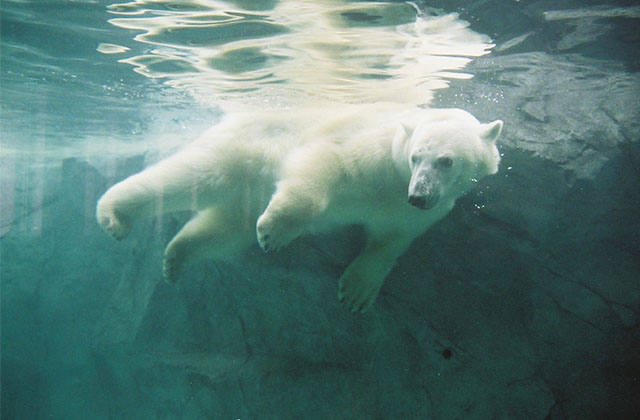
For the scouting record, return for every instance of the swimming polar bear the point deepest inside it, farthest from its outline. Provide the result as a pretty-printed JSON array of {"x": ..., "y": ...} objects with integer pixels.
[{"x": 283, "y": 174}]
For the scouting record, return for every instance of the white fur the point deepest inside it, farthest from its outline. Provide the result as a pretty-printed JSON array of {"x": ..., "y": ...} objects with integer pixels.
[{"x": 289, "y": 173}]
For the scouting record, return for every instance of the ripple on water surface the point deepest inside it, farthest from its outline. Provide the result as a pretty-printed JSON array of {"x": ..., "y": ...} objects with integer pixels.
[{"x": 291, "y": 51}]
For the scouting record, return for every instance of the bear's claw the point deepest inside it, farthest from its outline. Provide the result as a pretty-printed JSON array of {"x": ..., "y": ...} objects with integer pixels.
[
  {"x": 169, "y": 270},
  {"x": 264, "y": 243},
  {"x": 111, "y": 226}
]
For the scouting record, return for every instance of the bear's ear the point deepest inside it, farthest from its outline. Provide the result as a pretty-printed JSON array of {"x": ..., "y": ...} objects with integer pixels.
[
  {"x": 402, "y": 136},
  {"x": 406, "y": 129},
  {"x": 401, "y": 147},
  {"x": 491, "y": 131}
]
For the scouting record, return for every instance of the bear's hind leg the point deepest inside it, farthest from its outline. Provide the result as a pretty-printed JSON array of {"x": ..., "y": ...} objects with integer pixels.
[
  {"x": 360, "y": 284},
  {"x": 189, "y": 180},
  {"x": 212, "y": 233}
]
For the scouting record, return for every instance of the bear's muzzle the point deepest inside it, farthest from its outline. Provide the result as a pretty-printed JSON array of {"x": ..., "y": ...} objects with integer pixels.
[{"x": 423, "y": 188}]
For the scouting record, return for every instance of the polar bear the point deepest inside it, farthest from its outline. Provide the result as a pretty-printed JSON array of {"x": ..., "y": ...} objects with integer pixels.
[{"x": 283, "y": 174}]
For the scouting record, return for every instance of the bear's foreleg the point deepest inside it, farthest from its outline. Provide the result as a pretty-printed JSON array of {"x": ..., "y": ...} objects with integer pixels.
[
  {"x": 360, "y": 284},
  {"x": 310, "y": 177},
  {"x": 289, "y": 213}
]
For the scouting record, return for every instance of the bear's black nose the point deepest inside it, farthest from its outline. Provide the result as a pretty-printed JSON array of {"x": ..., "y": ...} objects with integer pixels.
[{"x": 418, "y": 200}]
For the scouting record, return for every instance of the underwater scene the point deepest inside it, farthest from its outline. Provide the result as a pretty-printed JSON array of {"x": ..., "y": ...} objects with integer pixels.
[{"x": 331, "y": 209}]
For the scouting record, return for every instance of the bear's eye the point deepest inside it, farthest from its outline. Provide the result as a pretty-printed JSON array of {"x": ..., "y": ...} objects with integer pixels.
[
  {"x": 445, "y": 162},
  {"x": 414, "y": 159}
]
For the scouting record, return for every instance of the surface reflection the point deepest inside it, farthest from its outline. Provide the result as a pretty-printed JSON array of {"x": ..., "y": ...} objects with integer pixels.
[{"x": 290, "y": 52}]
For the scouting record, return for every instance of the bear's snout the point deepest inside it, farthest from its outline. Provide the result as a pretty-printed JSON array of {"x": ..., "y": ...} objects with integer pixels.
[
  {"x": 417, "y": 200},
  {"x": 423, "y": 188},
  {"x": 423, "y": 202}
]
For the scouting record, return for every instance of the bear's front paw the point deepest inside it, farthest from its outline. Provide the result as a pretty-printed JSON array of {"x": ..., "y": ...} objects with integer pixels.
[
  {"x": 114, "y": 225},
  {"x": 274, "y": 232},
  {"x": 357, "y": 293}
]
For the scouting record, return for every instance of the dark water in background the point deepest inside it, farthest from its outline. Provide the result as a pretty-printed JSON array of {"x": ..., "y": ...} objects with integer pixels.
[{"x": 527, "y": 305}]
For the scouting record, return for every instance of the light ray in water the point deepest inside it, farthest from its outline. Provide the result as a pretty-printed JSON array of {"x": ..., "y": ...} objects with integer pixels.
[{"x": 282, "y": 54}]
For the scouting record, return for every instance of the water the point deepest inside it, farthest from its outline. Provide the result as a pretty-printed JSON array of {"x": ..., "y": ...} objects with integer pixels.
[{"x": 523, "y": 303}]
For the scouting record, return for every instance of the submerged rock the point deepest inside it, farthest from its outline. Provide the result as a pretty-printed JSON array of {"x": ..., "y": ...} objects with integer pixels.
[{"x": 524, "y": 303}]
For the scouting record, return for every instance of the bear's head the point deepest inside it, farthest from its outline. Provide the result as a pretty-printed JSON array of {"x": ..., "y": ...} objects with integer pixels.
[{"x": 443, "y": 154}]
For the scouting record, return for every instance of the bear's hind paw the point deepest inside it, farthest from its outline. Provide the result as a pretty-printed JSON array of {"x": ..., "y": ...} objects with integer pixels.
[
  {"x": 170, "y": 269},
  {"x": 113, "y": 225}
]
